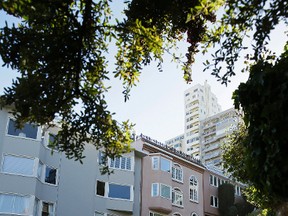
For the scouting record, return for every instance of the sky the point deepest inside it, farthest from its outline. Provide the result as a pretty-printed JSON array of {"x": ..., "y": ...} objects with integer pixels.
[{"x": 156, "y": 104}]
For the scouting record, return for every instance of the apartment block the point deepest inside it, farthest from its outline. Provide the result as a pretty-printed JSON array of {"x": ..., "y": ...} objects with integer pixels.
[
  {"x": 214, "y": 132},
  {"x": 199, "y": 103},
  {"x": 35, "y": 182},
  {"x": 177, "y": 142},
  {"x": 154, "y": 179}
]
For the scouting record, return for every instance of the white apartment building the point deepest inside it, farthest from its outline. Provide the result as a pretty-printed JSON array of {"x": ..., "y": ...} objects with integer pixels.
[
  {"x": 199, "y": 103},
  {"x": 177, "y": 142},
  {"x": 213, "y": 134}
]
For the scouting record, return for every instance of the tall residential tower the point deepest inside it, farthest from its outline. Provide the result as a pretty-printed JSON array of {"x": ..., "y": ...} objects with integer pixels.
[{"x": 199, "y": 103}]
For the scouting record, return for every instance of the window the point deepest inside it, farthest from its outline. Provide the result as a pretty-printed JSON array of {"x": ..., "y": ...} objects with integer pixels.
[
  {"x": 51, "y": 140},
  {"x": 50, "y": 175},
  {"x": 119, "y": 191},
  {"x": 40, "y": 169},
  {"x": 123, "y": 163},
  {"x": 193, "y": 214},
  {"x": 165, "y": 165},
  {"x": 237, "y": 190},
  {"x": 214, "y": 201},
  {"x": 18, "y": 165},
  {"x": 177, "y": 214},
  {"x": 28, "y": 130},
  {"x": 100, "y": 188},
  {"x": 165, "y": 191},
  {"x": 155, "y": 214},
  {"x": 177, "y": 197},
  {"x": 155, "y": 189},
  {"x": 193, "y": 189},
  {"x": 113, "y": 190},
  {"x": 177, "y": 173},
  {"x": 46, "y": 173},
  {"x": 101, "y": 158},
  {"x": 15, "y": 204},
  {"x": 155, "y": 163},
  {"x": 213, "y": 180},
  {"x": 47, "y": 209}
]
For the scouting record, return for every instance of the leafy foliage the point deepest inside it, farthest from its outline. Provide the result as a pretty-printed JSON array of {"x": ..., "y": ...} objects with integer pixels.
[
  {"x": 60, "y": 49},
  {"x": 226, "y": 198},
  {"x": 240, "y": 19},
  {"x": 258, "y": 153},
  {"x": 244, "y": 207}
]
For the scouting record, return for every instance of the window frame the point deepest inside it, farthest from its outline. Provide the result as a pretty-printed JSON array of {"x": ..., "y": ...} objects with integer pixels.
[
  {"x": 49, "y": 204},
  {"x": 177, "y": 191},
  {"x": 176, "y": 167},
  {"x": 100, "y": 160},
  {"x": 112, "y": 163},
  {"x": 28, "y": 208},
  {"x": 104, "y": 188},
  {"x": 44, "y": 175},
  {"x": 237, "y": 190},
  {"x": 170, "y": 192},
  {"x": 155, "y": 162},
  {"x": 157, "y": 189},
  {"x": 213, "y": 180},
  {"x": 193, "y": 189},
  {"x": 163, "y": 168},
  {"x": 215, "y": 201},
  {"x": 107, "y": 188},
  {"x": 116, "y": 198},
  {"x": 19, "y": 136},
  {"x": 35, "y": 160}
]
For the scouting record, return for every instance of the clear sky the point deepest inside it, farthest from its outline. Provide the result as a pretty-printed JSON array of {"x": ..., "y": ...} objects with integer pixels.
[{"x": 156, "y": 104}]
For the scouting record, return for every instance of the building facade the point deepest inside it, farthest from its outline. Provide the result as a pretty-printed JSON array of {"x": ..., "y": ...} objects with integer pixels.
[
  {"x": 35, "y": 182},
  {"x": 153, "y": 179},
  {"x": 213, "y": 178},
  {"x": 177, "y": 143},
  {"x": 172, "y": 181},
  {"x": 199, "y": 103},
  {"x": 214, "y": 132}
]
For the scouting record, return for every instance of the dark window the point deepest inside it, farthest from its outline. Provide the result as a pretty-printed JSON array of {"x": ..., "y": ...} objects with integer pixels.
[
  {"x": 100, "y": 190},
  {"x": 211, "y": 200},
  {"x": 28, "y": 130},
  {"x": 50, "y": 175},
  {"x": 47, "y": 209},
  {"x": 119, "y": 191}
]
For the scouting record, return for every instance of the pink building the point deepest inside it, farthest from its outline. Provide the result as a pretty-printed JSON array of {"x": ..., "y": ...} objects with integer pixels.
[
  {"x": 175, "y": 184},
  {"x": 213, "y": 178},
  {"x": 172, "y": 182}
]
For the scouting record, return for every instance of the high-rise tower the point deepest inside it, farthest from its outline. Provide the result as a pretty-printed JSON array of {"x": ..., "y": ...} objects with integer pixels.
[{"x": 199, "y": 103}]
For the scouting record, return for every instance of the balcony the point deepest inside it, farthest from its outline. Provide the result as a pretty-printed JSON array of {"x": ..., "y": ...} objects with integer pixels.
[
  {"x": 211, "y": 147},
  {"x": 211, "y": 155},
  {"x": 160, "y": 205}
]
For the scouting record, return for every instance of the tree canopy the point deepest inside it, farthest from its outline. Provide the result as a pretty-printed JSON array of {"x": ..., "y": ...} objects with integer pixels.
[
  {"x": 257, "y": 154},
  {"x": 60, "y": 46}
]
